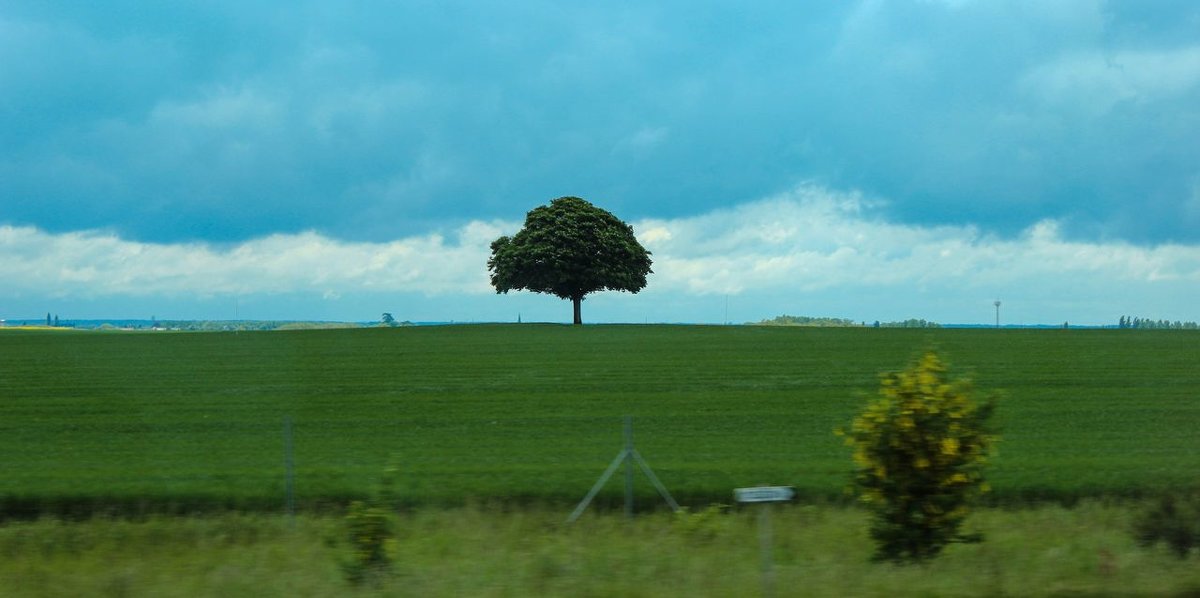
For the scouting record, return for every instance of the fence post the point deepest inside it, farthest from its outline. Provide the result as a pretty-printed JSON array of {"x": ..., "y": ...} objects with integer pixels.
[
  {"x": 628, "y": 456},
  {"x": 629, "y": 467},
  {"x": 289, "y": 467}
]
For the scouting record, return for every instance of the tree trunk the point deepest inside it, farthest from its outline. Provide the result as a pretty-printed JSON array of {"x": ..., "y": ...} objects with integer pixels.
[{"x": 578, "y": 314}]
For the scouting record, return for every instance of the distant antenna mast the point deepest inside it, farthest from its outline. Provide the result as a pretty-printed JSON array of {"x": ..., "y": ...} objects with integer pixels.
[{"x": 997, "y": 304}]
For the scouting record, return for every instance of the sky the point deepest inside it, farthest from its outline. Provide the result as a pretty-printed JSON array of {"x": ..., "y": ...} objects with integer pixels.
[{"x": 870, "y": 160}]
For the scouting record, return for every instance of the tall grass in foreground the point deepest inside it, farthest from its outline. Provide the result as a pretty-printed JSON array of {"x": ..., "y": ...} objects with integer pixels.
[{"x": 479, "y": 551}]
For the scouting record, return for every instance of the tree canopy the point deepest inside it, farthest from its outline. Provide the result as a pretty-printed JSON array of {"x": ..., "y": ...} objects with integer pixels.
[{"x": 569, "y": 249}]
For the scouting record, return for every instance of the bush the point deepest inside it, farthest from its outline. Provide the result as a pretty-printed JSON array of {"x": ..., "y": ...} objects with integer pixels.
[
  {"x": 1175, "y": 520},
  {"x": 705, "y": 524},
  {"x": 371, "y": 533},
  {"x": 920, "y": 446}
]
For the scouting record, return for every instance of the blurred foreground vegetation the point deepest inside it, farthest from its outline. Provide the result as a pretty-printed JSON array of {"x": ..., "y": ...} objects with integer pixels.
[{"x": 484, "y": 551}]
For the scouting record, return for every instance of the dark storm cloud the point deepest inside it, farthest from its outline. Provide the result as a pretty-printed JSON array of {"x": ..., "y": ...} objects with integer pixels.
[{"x": 228, "y": 121}]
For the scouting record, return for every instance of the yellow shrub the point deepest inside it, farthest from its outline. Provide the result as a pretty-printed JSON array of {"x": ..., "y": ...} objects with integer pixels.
[{"x": 920, "y": 448}]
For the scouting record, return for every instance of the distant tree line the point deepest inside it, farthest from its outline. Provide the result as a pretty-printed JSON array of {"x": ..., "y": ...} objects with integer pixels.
[
  {"x": 390, "y": 321},
  {"x": 213, "y": 325},
  {"x": 909, "y": 323},
  {"x": 154, "y": 323},
  {"x": 786, "y": 320},
  {"x": 1148, "y": 324},
  {"x": 219, "y": 325}
]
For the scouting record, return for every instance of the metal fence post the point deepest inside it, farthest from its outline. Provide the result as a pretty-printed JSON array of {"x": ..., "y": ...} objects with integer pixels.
[
  {"x": 289, "y": 467},
  {"x": 628, "y": 467},
  {"x": 628, "y": 456}
]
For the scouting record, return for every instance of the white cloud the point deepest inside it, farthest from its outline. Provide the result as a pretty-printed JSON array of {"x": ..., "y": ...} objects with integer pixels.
[
  {"x": 221, "y": 108},
  {"x": 952, "y": 4},
  {"x": 1099, "y": 80},
  {"x": 90, "y": 264},
  {"x": 647, "y": 137},
  {"x": 808, "y": 242},
  {"x": 814, "y": 239},
  {"x": 1191, "y": 207},
  {"x": 336, "y": 111}
]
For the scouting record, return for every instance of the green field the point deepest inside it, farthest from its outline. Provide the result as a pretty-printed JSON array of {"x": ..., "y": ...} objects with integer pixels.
[{"x": 95, "y": 421}]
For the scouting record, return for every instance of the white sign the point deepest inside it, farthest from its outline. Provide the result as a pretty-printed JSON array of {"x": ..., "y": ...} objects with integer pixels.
[{"x": 764, "y": 494}]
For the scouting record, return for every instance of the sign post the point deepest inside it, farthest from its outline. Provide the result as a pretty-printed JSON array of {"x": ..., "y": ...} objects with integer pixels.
[{"x": 765, "y": 495}]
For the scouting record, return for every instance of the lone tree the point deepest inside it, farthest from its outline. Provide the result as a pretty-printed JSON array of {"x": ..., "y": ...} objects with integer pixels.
[{"x": 570, "y": 248}]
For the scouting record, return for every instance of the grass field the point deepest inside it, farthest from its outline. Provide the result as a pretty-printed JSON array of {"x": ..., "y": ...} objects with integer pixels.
[
  {"x": 474, "y": 551},
  {"x": 93, "y": 422}
]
